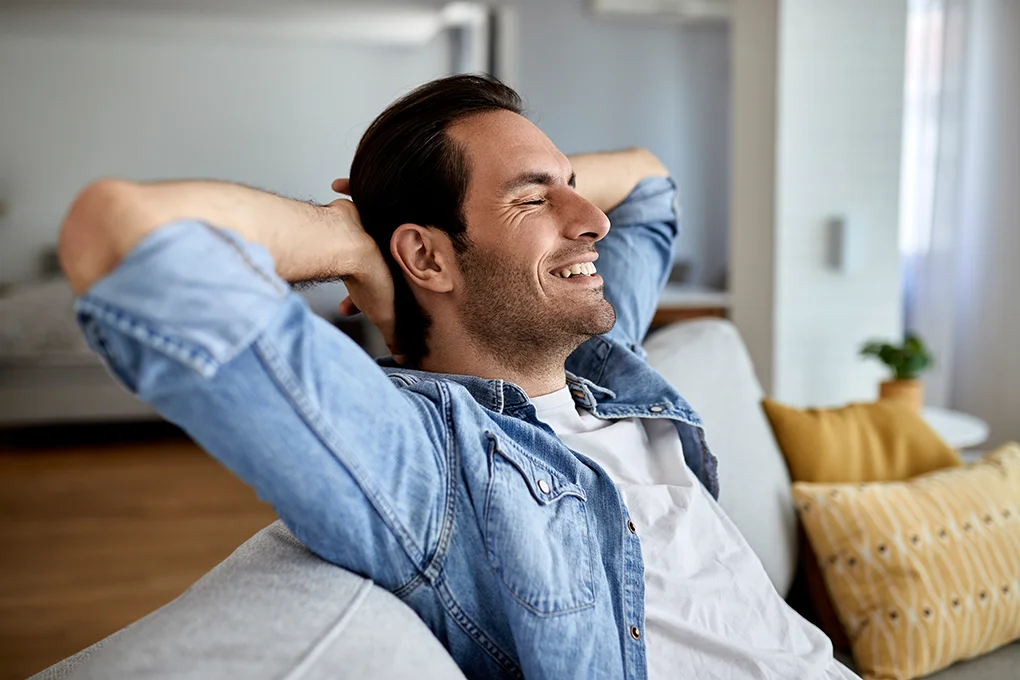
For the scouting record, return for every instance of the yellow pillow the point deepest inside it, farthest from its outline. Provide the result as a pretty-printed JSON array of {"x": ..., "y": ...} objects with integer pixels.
[
  {"x": 883, "y": 441},
  {"x": 924, "y": 572}
]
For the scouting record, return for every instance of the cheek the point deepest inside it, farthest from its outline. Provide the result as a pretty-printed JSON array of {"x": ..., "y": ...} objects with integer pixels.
[
  {"x": 535, "y": 249},
  {"x": 526, "y": 254},
  {"x": 504, "y": 265},
  {"x": 521, "y": 253}
]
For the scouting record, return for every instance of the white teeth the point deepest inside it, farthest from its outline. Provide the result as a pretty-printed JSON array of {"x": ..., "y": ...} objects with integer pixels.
[{"x": 580, "y": 269}]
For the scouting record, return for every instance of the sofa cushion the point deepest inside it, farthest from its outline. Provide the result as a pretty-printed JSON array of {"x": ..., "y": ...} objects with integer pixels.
[
  {"x": 871, "y": 442},
  {"x": 706, "y": 361},
  {"x": 1002, "y": 664},
  {"x": 271, "y": 610},
  {"x": 923, "y": 572}
]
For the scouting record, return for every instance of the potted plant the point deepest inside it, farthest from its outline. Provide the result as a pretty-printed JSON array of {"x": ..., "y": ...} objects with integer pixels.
[{"x": 907, "y": 361}]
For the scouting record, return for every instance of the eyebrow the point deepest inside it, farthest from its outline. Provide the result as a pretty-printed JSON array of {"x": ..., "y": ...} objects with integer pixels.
[{"x": 531, "y": 178}]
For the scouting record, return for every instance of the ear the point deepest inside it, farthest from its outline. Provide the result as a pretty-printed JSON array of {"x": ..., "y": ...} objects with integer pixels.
[{"x": 425, "y": 255}]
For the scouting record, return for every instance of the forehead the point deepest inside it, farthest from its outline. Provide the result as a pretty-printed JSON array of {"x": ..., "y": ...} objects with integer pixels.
[{"x": 501, "y": 145}]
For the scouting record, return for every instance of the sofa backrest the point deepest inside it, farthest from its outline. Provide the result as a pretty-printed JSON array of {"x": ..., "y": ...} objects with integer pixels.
[{"x": 707, "y": 362}]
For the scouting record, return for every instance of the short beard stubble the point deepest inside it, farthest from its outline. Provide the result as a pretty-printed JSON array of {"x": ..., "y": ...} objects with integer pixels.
[{"x": 502, "y": 313}]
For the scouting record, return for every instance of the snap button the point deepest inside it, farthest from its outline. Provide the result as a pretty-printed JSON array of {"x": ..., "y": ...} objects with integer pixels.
[
  {"x": 631, "y": 526},
  {"x": 543, "y": 486},
  {"x": 655, "y": 409},
  {"x": 635, "y": 632}
]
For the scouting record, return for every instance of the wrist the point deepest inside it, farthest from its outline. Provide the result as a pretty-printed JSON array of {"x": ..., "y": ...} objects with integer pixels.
[{"x": 356, "y": 252}]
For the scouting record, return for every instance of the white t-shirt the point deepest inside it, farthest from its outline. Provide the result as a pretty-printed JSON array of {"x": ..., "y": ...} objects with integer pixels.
[{"x": 710, "y": 609}]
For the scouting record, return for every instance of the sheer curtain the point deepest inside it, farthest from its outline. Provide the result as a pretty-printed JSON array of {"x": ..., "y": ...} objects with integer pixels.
[
  {"x": 960, "y": 205},
  {"x": 929, "y": 203},
  {"x": 986, "y": 346}
]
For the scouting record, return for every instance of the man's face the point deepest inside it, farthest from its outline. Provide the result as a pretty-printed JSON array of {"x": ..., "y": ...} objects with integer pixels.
[{"x": 526, "y": 226}]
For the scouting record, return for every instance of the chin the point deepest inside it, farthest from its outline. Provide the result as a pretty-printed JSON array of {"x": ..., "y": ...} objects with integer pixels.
[{"x": 598, "y": 319}]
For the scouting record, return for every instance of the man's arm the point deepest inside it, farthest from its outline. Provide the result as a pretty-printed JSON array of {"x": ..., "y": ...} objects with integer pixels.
[
  {"x": 633, "y": 188},
  {"x": 307, "y": 242},
  {"x": 194, "y": 319},
  {"x": 607, "y": 178},
  {"x": 110, "y": 217}
]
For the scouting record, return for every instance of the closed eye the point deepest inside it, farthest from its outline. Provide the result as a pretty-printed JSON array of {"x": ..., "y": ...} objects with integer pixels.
[{"x": 537, "y": 201}]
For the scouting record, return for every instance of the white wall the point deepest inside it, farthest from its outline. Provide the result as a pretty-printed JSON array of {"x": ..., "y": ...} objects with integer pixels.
[
  {"x": 838, "y": 83},
  {"x": 285, "y": 115},
  {"x": 986, "y": 360}
]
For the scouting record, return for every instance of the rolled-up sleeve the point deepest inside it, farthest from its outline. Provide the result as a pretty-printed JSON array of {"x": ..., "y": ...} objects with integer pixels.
[
  {"x": 195, "y": 322},
  {"x": 194, "y": 293},
  {"x": 636, "y": 256}
]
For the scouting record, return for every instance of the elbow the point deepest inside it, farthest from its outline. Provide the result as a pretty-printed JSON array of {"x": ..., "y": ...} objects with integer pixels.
[
  {"x": 650, "y": 164},
  {"x": 87, "y": 247}
]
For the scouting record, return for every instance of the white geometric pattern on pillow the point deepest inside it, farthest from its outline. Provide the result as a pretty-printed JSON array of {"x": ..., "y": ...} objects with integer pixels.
[{"x": 924, "y": 572}]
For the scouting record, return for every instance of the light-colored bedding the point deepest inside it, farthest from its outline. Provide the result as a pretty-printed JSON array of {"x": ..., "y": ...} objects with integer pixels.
[
  {"x": 48, "y": 375},
  {"x": 37, "y": 324}
]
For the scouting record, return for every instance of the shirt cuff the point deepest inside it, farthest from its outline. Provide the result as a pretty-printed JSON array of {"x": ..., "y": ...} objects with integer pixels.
[{"x": 652, "y": 200}]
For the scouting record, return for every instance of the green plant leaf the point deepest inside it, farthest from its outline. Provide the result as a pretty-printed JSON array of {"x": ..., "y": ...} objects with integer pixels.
[{"x": 907, "y": 361}]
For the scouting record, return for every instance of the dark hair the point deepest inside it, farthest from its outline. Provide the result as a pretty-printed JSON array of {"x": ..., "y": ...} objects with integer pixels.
[{"x": 407, "y": 169}]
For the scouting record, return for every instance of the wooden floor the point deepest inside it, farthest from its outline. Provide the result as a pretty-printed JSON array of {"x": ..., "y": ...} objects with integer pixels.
[{"x": 98, "y": 529}]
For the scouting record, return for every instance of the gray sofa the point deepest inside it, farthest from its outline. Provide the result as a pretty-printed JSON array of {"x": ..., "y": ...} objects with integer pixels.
[{"x": 274, "y": 610}]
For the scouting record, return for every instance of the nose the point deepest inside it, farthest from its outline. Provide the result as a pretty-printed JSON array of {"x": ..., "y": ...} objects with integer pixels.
[{"x": 586, "y": 222}]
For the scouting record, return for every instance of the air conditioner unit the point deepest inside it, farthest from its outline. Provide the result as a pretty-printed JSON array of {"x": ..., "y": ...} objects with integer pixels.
[{"x": 679, "y": 10}]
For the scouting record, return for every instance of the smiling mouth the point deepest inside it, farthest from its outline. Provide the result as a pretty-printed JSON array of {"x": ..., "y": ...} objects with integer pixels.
[{"x": 579, "y": 270}]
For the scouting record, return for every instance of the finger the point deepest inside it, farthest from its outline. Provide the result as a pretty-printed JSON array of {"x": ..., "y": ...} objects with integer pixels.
[
  {"x": 342, "y": 186},
  {"x": 347, "y": 307}
]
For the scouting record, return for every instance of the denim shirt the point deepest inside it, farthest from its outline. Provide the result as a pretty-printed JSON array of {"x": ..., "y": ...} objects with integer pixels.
[{"x": 444, "y": 489}]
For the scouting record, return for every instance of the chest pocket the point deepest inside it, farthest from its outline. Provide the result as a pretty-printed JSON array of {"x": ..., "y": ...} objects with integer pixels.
[{"x": 536, "y": 532}]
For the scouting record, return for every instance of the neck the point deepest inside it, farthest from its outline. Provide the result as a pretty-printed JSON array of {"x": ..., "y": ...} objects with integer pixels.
[{"x": 536, "y": 373}]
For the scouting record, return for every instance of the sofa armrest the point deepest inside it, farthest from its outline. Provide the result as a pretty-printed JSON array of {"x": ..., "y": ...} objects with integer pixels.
[{"x": 270, "y": 610}]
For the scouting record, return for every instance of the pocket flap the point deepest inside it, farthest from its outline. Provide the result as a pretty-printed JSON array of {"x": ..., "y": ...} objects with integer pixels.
[{"x": 546, "y": 484}]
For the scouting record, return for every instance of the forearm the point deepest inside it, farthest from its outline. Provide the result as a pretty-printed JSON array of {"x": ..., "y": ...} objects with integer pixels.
[
  {"x": 194, "y": 325},
  {"x": 605, "y": 179},
  {"x": 110, "y": 217}
]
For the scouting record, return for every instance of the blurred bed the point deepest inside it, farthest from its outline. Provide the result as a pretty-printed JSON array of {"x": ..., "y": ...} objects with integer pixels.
[{"x": 47, "y": 373}]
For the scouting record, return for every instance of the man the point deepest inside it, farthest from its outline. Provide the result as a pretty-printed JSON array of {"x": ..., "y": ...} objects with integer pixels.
[{"x": 518, "y": 474}]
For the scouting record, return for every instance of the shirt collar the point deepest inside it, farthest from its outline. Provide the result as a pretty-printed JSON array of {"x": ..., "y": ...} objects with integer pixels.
[{"x": 499, "y": 395}]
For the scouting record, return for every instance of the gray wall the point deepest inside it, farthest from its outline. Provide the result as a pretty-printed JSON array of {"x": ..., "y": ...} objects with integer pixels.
[
  {"x": 286, "y": 116},
  {"x": 600, "y": 83},
  {"x": 81, "y": 103}
]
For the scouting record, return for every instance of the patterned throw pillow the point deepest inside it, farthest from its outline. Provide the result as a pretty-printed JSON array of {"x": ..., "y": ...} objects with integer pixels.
[
  {"x": 885, "y": 441},
  {"x": 924, "y": 572}
]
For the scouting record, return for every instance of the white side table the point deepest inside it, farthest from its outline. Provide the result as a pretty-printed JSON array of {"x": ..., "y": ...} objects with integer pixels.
[{"x": 959, "y": 430}]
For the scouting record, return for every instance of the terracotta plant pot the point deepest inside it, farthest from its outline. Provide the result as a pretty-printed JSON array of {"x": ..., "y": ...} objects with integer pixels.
[{"x": 908, "y": 391}]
